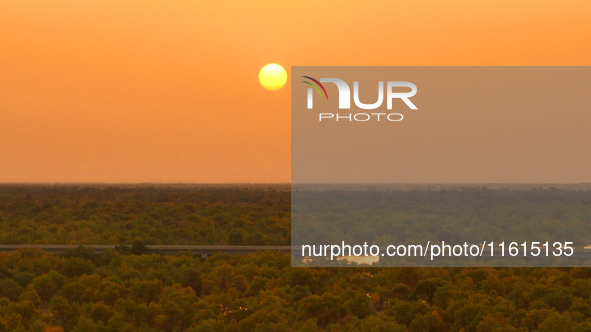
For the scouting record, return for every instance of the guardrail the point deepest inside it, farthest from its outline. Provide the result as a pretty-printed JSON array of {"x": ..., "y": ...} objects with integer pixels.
[{"x": 208, "y": 250}]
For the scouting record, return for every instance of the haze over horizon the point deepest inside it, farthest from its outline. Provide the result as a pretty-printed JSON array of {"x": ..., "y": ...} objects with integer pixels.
[
  {"x": 161, "y": 91},
  {"x": 579, "y": 185}
]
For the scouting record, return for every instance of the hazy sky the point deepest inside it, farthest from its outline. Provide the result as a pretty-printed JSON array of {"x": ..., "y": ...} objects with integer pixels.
[{"x": 168, "y": 91}]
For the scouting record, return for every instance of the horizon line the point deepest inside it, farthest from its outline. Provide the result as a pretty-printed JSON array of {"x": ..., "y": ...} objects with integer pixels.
[{"x": 288, "y": 183}]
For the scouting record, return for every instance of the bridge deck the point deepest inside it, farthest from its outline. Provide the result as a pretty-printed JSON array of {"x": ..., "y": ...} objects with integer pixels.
[
  {"x": 208, "y": 250},
  {"x": 203, "y": 250}
]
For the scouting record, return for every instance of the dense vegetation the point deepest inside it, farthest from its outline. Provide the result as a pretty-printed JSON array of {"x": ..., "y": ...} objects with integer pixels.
[
  {"x": 254, "y": 215},
  {"x": 453, "y": 215},
  {"x": 259, "y": 215},
  {"x": 80, "y": 291}
]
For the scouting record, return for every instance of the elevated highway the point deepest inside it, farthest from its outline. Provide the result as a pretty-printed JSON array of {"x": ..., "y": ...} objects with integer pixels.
[{"x": 200, "y": 250}]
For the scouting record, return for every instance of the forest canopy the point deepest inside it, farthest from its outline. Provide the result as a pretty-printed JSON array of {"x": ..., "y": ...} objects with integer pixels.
[
  {"x": 82, "y": 291},
  {"x": 260, "y": 215},
  {"x": 248, "y": 215}
]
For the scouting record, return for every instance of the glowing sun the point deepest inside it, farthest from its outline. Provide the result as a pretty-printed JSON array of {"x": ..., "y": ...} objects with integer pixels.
[{"x": 272, "y": 76}]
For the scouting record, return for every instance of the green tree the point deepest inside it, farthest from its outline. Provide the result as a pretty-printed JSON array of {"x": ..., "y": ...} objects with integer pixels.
[
  {"x": 65, "y": 314},
  {"x": 10, "y": 289}
]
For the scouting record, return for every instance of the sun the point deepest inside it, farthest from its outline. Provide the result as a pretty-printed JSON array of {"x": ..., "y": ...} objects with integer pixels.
[{"x": 272, "y": 76}]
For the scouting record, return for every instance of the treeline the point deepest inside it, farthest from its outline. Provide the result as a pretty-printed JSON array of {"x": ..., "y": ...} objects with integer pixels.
[
  {"x": 455, "y": 215},
  {"x": 80, "y": 291},
  {"x": 260, "y": 215},
  {"x": 249, "y": 215}
]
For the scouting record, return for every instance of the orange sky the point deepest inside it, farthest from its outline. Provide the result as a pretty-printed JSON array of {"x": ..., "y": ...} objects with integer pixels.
[{"x": 167, "y": 90}]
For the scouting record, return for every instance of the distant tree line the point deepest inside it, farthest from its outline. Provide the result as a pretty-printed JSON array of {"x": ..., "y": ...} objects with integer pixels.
[
  {"x": 125, "y": 215},
  {"x": 456, "y": 215},
  {"x": 256, "y": 215}
]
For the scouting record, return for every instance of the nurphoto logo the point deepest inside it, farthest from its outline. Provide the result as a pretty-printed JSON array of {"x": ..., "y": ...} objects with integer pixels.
[{"x": 345, "y": 99}]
